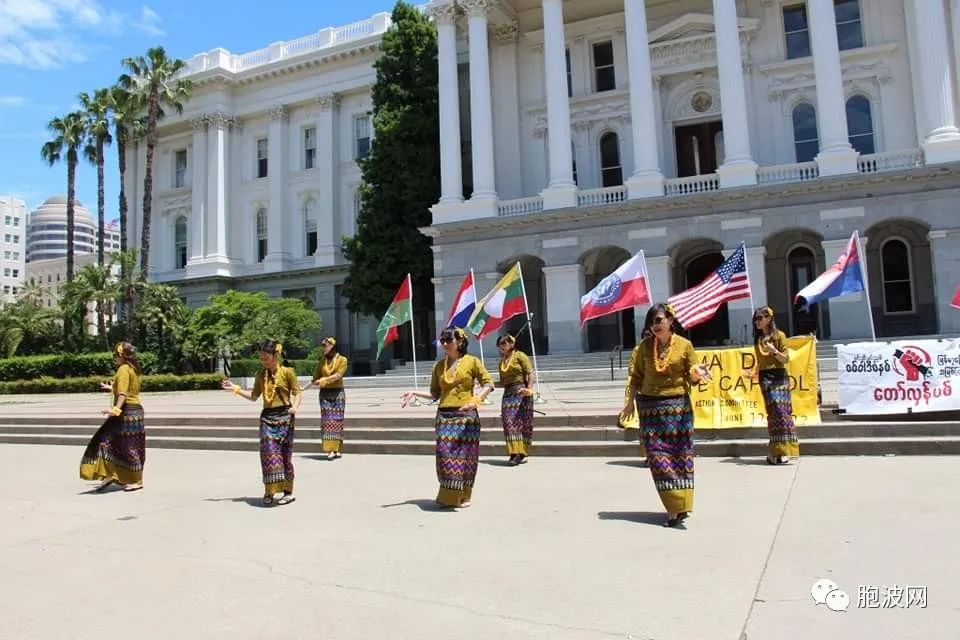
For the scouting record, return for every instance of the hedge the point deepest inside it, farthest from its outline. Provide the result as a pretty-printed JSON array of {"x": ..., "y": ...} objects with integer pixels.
[
  {"x": 247, "y": 368},
  {"x": 67, "y": 365},
  {"x": 90, "y": 384}
]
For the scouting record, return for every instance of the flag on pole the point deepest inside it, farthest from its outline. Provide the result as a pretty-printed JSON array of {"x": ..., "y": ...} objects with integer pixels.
[
  {"x": 503, "y": 302},
  {"x": 955, "y": 303},
  {"x": 464, "y": 304},
  {"x": 843, "y": 277},
  {"x": 623, "y": 289},
  {"x": 700, "y": 303},
  {"x": 396, "y": 315}
]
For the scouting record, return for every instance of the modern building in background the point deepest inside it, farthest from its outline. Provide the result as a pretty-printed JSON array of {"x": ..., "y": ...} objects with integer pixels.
[
  {"x": 48, "y": 276},
  {"x": 46, "y": 234},
  {"x": 576, "y": 133},
  {"x": 13, "y": 255}
]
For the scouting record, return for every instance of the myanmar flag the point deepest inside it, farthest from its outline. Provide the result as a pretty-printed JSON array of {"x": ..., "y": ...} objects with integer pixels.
[
  {"x": 506, "y": 300},
  {"x": 397, "y": 314}
]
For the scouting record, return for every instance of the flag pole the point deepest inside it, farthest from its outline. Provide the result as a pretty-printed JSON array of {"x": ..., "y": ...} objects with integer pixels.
[
  {"x": 533, "y": 348},
  {"x": 746, "y": 268},
  {"x": 413, "y": 339},
  {"x": 862, "y": 260},
  {"x": 476, "y": 300}
]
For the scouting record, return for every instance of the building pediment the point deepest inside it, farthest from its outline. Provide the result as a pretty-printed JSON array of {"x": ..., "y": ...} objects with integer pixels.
[
  {"x": 695, "y": 25},
  {"x": 688, "y": 43}
]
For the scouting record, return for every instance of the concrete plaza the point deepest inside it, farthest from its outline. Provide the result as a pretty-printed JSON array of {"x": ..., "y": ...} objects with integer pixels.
[{"x": 557, "y": 548}]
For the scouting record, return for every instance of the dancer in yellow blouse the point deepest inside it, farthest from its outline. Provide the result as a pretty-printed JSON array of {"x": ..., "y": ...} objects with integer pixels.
[
  {"x": 117, "y": 451},
  {"x": 458, "y": 422},
  {"x": 662, "y": 369},
  {"x": 770, "y": 349},
  {"x": 516, "y": 408},
  {"x": 333, "y": 399},
  {"x": 278, "y": 385}
]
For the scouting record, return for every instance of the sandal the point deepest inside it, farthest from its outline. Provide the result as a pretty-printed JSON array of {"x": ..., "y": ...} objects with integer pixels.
[
  {"x": 133, "y": 487},
  {"x": 267, "y": 501},
  {"x": 103, "y": 485},
  {"x": 287, "y": 498}
]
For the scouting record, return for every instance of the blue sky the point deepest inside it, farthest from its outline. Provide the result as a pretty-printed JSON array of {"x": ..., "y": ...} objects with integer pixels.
[{"x": 50, "y": 50}]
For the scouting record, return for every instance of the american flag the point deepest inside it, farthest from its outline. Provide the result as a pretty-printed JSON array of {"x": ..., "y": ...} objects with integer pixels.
[{"x": 700, "y": 303}]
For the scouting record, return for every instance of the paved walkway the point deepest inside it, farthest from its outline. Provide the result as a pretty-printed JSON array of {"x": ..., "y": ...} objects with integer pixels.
[{"x": 556, "y": 549}]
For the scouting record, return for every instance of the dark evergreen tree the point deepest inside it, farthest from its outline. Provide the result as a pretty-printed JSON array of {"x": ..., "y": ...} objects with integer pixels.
[{"x": 401, "y": 175}]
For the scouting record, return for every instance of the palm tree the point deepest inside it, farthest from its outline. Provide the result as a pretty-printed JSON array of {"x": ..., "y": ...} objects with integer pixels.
[
  {"x": 95, "y": 283},
  {"x": 69, "y": 134},
  {"x": 129, "y": 284},
  {"x": 98, "y": 136},
  {"x": 155, "y": 78}
]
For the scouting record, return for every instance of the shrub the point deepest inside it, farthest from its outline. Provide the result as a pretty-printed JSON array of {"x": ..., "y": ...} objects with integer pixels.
[
  {"x": 91, "y": 384},
  {"x": 66, "y": 365}
]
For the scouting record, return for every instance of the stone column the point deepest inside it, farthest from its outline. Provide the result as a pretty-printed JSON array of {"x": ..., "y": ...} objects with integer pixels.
[
  {"x": 561, "y": 191},
  {"x": 659, "y": 269},
  {"x": 836, "y": 156},
  {"x": 738, "y": 167},
  {"x": 451, "y": 173},
  {"x": 328, "y": 223},
  {"x": 277, "y": 250},
  {"x": 942, "y": 141},
  {"x": 506, "y": 114},
  {"x": 215, "y": 235},
  {"x": 564, "y": 287},
  {"x": 849, "y": 317},
  {"x": 198, "y": 207},
  {"x": 647, "y": 179},
  {"x": 481, "y": 114},
  {"x": 945, "y": 254}
]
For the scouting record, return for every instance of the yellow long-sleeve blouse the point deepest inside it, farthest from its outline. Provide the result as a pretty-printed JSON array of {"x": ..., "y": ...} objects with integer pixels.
[
  {"x": 515, "y": 369},
  {"x": 126, "y": 382},
  {"x": 674, "y": 380},
  {"x": 337, "y": 366},
  {"x": 277, "y": 389},
  {"x": 454, "y": 387},
  {"x": 766, "y": 360}
]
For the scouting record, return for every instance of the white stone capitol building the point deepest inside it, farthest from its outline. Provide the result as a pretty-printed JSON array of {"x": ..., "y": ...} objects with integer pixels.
[{"x": 575, "y": 133}]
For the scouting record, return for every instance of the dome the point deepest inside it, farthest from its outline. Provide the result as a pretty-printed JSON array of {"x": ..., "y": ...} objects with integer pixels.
[{"x": 62, "y": 200}]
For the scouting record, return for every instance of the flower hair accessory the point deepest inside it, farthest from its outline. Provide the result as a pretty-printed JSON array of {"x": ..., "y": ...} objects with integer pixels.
[
  {"x": 669, "y": 309},
  {"x": 278, "y": 349},
  {"x": 459, "y": 334},
  {"x": 507, "y": 338},
  {"x": 119, "y": 348},
  {"x": 330, "y": 340},
  {"x": 769, "y": 310}
]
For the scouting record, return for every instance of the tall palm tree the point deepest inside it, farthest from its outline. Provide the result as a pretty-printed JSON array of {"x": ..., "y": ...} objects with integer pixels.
[
  {"x": 98, "y": 136},
  {"x": 69, "y": 134},
  {"x": 155, "y": 77},
  {"x": 94, "y": 283}
]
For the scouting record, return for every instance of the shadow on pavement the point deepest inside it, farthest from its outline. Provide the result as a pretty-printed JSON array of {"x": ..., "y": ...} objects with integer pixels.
[
  {"x": 253, "y": 502},
  {"x": 747, "y": 462},
  {"x": 640, "y": 464},
  {"x": 423, "y": 503},
  {"x": 640, "y": 517}
]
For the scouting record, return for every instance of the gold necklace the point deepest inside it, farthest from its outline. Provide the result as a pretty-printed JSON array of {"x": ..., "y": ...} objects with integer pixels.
[
  {"x": 329, "y": 365},
  {"x": 505, "y": 364},
  {"x": 766, "y": 339},
  {"x": 449, "y": 378},
  {"x": 269, "y": 386},
  {"x": 664, "y": 358}
]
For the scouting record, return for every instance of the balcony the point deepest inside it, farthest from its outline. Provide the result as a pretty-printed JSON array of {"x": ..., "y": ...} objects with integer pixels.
[{"x": 693, "y": 185}]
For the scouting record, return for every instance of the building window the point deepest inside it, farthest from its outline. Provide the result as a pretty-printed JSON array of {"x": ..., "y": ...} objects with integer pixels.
[
  {"x": 849, "y": 30},
  {"x": 796, "y": 30},
  {"x": 16, "y": 222},
  {"x": 860, "y": 125},
  {"x": 262, "y": 158},
  {"x": 569, "y": 75},
  {"x": 897, "y": 285},
  {"x": 261, "y": 234},
  {"x": 6, "y": 255},
  {"x": 610, "y": 170},
  {"x": 180, "y": 169},
  {"x": 8, "y": 221},
  {"x": 180, "y": 243},
  {"x": 309, "y": 147},
  {"x": 16, "y": 255},
  {"x": 806, "y": 141},
  {"x": 6, "y": 273},
  {"x": 361, "y": 129},
  {"x": 573, "y": 154},
  {"x": 310, "y": 227},
  {"x": 16, "y": 239},
  {"x": 6, "y": 237},
  {"x": 604, "y": 74},
  {"x": 16, "y": 273}
]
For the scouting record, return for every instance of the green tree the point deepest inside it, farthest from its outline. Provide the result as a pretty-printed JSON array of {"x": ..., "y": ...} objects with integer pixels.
[
  {"x": 96, "y": 110},
  {"x": 94, "y": 283},
  {"x": 69, "y": 134},
  {"x": 235, "y": 321},
  {"x": 162, "y": 318},
  {"x": 27, "y": 326},
  {"x": 401, "y": 176},
  {"x": 155, "y": 79},
  {"x": 130, "y": 284}
]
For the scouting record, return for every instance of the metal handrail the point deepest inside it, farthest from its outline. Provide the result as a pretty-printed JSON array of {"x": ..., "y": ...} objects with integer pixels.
[{"x": 618, "y": 350}]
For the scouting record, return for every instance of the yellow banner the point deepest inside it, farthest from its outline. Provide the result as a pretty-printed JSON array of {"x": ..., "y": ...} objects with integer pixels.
[{"x": 733, "y": 400}]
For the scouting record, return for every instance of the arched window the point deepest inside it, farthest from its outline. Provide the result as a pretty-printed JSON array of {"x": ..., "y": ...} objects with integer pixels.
[
  {"x": 860, "y": 124},
  {"x": 896, "y": 275},
  {"x": 180, "y": 243},
  {"x": 610, "y": 170},
  {"x": 310, "y": 227},
  {"x": 806, "y": 141},
  {"x": 261, "y": 234}
]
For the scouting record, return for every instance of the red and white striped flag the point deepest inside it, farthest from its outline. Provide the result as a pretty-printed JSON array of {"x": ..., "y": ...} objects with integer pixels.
[{"x": 700, "y": 303}]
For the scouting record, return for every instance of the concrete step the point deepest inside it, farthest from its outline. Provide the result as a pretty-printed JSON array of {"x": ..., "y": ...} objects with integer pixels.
[{"x": 757, "y": 447}]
